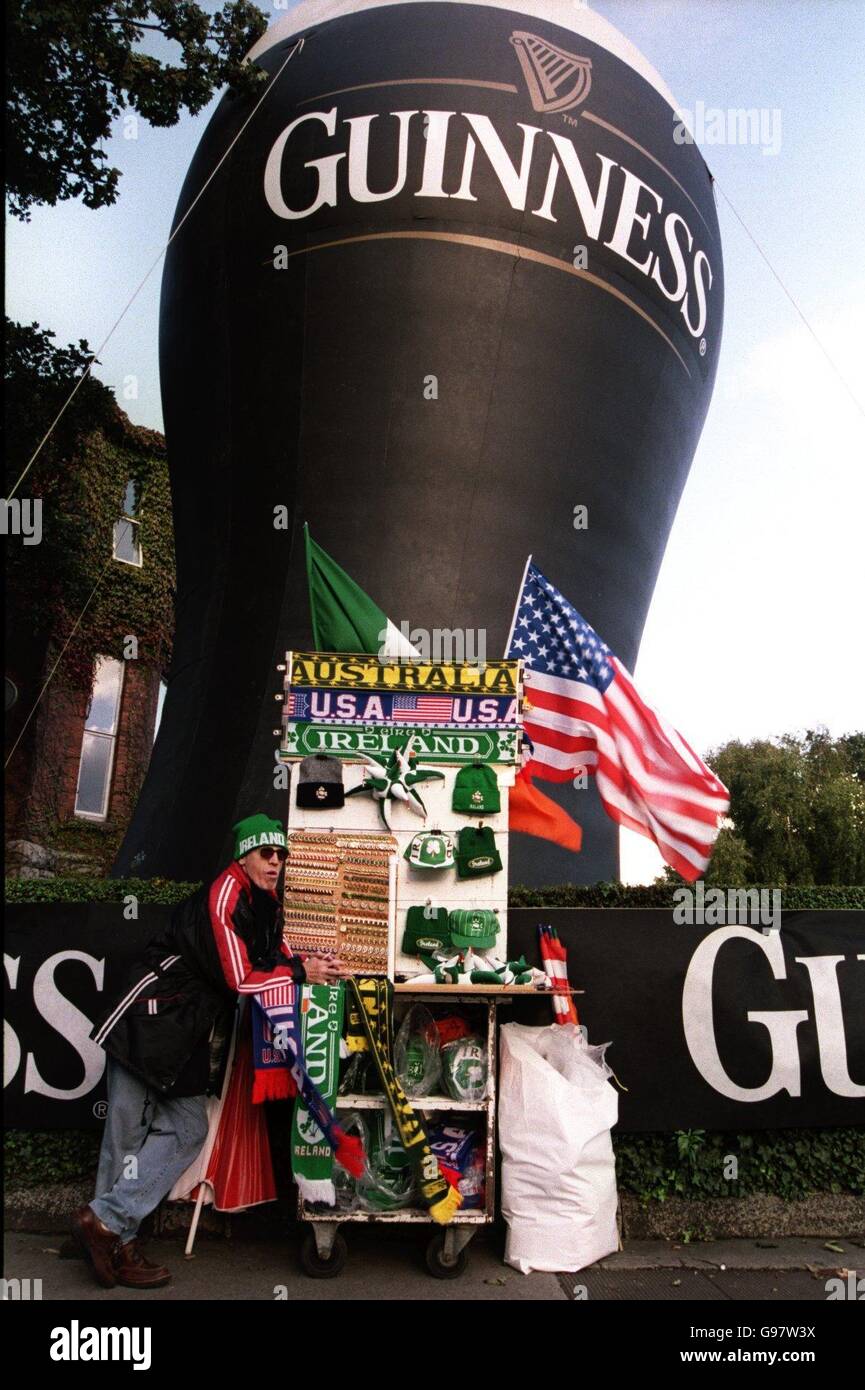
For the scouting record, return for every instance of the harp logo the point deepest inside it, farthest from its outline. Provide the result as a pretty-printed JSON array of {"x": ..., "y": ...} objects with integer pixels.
[{"x": 557, "y": 80}]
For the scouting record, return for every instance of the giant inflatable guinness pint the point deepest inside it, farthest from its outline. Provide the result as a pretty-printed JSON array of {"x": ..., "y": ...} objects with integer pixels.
[{"x": 459, "y": 275}]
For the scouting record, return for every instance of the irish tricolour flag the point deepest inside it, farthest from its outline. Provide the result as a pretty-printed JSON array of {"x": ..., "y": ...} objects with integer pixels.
[{"x": 344, "y": 618}]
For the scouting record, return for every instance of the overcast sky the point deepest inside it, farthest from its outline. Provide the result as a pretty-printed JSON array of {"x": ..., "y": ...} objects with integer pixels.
[{"x": 753, "y": 627}]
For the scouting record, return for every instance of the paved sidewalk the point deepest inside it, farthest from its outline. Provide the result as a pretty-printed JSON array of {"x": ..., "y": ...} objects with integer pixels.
[
  {"x": 787, "y": 1252},
  {"x": 387, "y": 1264}
]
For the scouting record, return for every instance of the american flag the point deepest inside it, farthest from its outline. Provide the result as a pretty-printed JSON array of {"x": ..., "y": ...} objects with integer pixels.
[
  {"x": 583, "y": 711},
  {"x": 297, "y": 705},
  {"x": 423, "y": 709}
]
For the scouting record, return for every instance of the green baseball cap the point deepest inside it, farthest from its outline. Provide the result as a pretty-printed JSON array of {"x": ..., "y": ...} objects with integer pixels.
[
  {"x": 254, "y": 831},
  {"x": 476, "y": 791},
  {"x": 474, "y": 926},
  {"x": 431, "y": 849},
  {"x": 426, "y": 930}
]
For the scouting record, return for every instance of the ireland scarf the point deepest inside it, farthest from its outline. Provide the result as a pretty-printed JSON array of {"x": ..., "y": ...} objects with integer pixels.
[
  {"x": 321, "y": 1009},
  {"x": 279, "y": 1061}
]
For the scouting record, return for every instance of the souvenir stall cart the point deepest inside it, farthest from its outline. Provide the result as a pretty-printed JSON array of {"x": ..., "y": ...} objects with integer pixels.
[{"x": 358, "y": 711}]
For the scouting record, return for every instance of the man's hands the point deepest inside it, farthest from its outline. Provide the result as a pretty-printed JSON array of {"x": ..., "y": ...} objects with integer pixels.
[{"x": 323, "y": 969}]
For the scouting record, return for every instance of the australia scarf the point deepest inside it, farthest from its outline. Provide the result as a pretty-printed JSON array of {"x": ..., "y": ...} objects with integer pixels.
[
  {"x": 280, "y": 1069},
  {"x": 370, "y": 1027}
]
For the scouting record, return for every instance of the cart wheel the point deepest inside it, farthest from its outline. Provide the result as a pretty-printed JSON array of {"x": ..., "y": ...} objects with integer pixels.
[
  {"x": 315, "y": 1265},
  {"x": 435, "y": 1261}
]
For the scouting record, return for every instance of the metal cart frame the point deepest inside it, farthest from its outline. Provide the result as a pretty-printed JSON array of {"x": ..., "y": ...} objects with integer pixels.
[{"x": 324, "y": 1251}]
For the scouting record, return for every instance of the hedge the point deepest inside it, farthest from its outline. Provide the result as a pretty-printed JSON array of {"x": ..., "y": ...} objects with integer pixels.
[
  {"x": 96, "y": 890},
  {"x": 793, "y": 899},
  {"x": 788, "y": 1163},
  {"x": 161, "y": 890}
]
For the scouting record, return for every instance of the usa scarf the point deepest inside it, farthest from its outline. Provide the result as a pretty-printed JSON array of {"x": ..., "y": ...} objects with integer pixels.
[{"x": 280, "y": 1069}]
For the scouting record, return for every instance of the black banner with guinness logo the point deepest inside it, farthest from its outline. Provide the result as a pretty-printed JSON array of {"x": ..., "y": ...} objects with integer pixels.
[{"x": 712, "y": 1027}]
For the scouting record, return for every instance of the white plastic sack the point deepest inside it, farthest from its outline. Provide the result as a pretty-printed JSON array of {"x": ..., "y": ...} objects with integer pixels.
[{"x": 556, "y": 1109}]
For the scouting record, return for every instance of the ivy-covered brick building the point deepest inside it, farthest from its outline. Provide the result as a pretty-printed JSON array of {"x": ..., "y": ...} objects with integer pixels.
[{"x": 89, "y": 614}]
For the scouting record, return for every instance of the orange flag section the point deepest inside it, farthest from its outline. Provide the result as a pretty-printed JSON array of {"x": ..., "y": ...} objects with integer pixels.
[{"x": 535, "y": 814}]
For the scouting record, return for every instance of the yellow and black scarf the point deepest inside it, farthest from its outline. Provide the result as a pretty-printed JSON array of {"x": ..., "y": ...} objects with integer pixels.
[{"x": 370, "y": 1027}]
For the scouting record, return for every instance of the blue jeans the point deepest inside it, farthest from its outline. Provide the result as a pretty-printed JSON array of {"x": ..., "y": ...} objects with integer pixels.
[{"x": 149, "y": 1140}]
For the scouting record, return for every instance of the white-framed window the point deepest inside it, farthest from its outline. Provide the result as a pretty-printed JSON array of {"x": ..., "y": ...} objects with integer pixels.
[
  {"x": 100, "y": 738},
  {"x": 127, "y": 545}
]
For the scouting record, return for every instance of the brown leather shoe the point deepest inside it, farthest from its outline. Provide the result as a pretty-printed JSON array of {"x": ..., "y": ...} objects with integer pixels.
[
  {"x": 135, "y": 1272},
  {"x": 98, "y": 1243}
]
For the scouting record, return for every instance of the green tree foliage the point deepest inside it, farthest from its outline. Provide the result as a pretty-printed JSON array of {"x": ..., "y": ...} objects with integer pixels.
[
  {"x": 73, "y": 68},
  {"x": 732, "y": 862},
  {"x": 797, "y": 804}
]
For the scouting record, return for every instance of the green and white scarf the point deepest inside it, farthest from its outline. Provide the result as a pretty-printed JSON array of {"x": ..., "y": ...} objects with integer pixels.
[{"x": 321, "y": 1029}]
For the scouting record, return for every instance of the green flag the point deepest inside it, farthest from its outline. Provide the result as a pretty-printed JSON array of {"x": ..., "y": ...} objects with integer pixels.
[{"x": 344, "y": 618}]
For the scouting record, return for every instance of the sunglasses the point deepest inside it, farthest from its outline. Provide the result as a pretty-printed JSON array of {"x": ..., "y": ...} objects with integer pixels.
[{"x": 268, "y": 851}]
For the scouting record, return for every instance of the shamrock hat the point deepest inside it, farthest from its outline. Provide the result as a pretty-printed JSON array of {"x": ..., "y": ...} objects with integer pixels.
[
  {"x": 254, "y": 831},
  {"x": 476, "y": 791},
  {"x": 465, "y": 1068},
  {"x": 431, "y": 849}
]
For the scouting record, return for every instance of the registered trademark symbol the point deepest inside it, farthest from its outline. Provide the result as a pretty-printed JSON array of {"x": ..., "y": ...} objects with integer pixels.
[
  {"x": 702, "y": 347},
  {"x": 100, "y": 1109}
]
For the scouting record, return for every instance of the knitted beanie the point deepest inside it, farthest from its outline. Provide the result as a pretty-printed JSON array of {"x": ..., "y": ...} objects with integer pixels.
[
  {"x": 319, "y": 783},
  {"x": 255, "y": 831}
]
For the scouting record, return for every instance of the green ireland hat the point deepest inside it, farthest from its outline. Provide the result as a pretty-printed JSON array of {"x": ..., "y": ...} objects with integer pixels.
[
  {"x": 474, "y": 927},
  {"x": 476, "y": 791},
  {"x": 477, "y": 854},
  {"x": 426, "y": 930},
  {"x": 255, "y": 831}
]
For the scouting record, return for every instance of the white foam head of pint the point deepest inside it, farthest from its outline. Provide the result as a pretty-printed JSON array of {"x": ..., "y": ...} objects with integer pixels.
[{"x": 568, "y": 14}]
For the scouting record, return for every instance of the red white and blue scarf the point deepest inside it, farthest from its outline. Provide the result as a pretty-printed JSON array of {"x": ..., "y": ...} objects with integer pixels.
[{"x": 280, "y": 1068}]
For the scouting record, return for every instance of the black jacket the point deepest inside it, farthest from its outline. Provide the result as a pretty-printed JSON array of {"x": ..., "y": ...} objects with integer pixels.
[{"x": 172, "y": 1023}]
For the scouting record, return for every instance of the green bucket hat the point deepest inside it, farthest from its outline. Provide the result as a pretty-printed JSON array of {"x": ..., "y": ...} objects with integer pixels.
[
  {"x": 255, "y": 831},
  {"x": 476, "y": 791},
  {"x": 475, "y": 927}
]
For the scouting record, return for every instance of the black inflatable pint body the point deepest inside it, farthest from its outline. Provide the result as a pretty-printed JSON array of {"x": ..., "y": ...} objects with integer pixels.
[{"x": 459, "y": 276}]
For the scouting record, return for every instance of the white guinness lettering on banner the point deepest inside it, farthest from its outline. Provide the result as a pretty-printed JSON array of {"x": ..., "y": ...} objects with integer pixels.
[
  {"x": 639, "y": 210},
  {"x": 782, "y": 1024},
  {"x": 65, "y": 1018}
]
